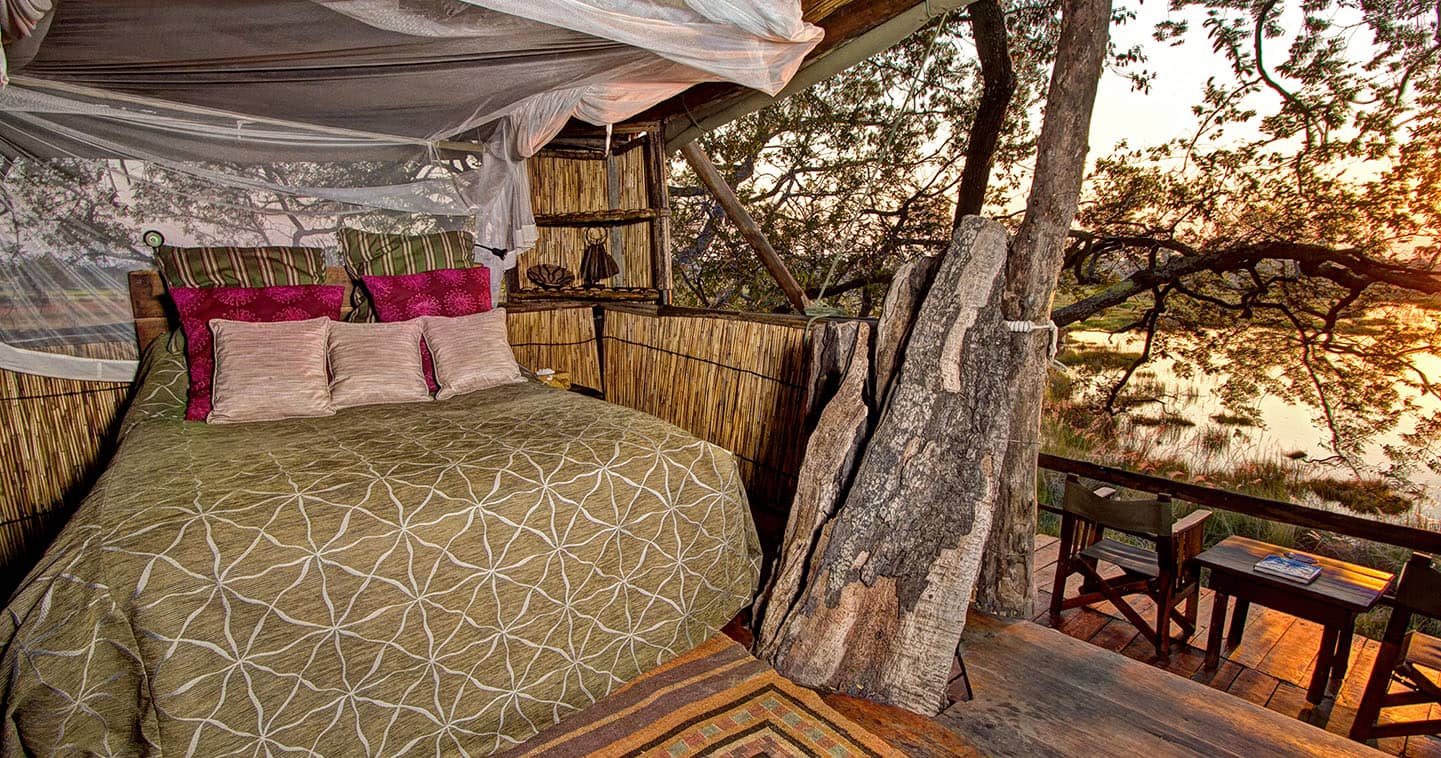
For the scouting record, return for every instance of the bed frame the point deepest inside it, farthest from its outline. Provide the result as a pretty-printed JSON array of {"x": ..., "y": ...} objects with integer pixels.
[{"x": 154, "y": 313}]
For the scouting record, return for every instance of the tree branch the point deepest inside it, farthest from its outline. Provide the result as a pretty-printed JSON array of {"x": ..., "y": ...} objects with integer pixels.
[
  {"x": 988, "y": 29},
  {"x": 1348, "y": 268}
]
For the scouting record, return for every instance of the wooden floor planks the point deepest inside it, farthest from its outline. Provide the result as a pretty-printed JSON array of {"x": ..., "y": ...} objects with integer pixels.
[
  {"x": 1040, "y": 692},
  {"x": 1269, "y": 668}
]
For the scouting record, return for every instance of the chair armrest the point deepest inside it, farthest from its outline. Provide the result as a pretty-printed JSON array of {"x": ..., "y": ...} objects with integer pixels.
[
  {"x": 1188, "y": 534},
  {"x": 1191, "y": 521}
]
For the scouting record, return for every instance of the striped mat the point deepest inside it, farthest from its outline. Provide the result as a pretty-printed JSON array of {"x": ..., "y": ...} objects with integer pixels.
[{"x": 716, "y": 700}]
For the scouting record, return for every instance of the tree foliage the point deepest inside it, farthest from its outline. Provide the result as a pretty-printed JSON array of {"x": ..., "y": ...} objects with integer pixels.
[
  {"x": 1286, "y": 238},
  {"x": 858, "y": 172}
]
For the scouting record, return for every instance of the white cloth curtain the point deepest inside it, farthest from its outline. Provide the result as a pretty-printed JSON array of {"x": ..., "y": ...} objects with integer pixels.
[{"x": 215, "y": 95}]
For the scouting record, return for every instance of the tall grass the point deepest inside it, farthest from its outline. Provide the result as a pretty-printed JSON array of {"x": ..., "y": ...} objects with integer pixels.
[{"x": 1073, "y": 426}]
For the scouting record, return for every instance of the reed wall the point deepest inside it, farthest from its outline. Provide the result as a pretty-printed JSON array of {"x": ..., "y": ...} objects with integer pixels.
[
  {"x": 738, "y": 384},
  {"x": 571, "y": 185},
  {"x": 54, "y": 440},
  {"x": 562, "y": 339}
]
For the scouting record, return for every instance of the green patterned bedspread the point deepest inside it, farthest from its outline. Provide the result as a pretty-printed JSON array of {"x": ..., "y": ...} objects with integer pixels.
[{"x": 438, "y": 578}]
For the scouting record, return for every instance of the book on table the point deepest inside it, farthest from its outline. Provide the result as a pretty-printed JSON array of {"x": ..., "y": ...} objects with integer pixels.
[{"x": 1289, "y": 568}]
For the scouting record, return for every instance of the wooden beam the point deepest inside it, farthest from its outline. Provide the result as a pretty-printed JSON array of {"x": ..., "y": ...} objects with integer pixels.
[
  {"x": 1409, "y": 537},
  {"x": 658, "y": 193},
  {"x": 617, "y": 217},
  {"x": 712, "y": 179}
]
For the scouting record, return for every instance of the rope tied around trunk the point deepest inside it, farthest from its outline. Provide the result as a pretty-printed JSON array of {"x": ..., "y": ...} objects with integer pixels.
[{"x": 1026, "y": 327}]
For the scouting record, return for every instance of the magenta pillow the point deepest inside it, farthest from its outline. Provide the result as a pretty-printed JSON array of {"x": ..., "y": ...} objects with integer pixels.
[
  {"x": 442, "y": 292},
  {"x": 446, "y": 292},
  {"x": 198, "y": 305}
]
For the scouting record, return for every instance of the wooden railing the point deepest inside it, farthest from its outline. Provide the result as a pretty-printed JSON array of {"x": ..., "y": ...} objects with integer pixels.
[{"x": 1410, "y": 537}]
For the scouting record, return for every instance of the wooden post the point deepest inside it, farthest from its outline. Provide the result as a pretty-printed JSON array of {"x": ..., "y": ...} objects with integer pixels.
[
  {"x": 712, "y": 179},
  {"x": 658, "y": 193}
]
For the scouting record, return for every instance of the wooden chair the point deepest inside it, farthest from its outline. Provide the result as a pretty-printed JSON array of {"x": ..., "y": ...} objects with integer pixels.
[
  {"x": 1165, "y": 573},
  {"x": 1402, "y": 657}
]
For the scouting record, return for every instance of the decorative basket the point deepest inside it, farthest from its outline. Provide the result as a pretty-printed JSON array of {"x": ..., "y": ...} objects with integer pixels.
[{"x": 549, "y": 276}]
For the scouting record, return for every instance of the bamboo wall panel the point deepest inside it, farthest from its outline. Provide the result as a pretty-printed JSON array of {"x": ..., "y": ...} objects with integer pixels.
[
  {"x": 738, "y": 384},
  {"x": 573, "y": 185},
  {"x": 560, "y": 339},
  {"x": 635, "y": 239},
  {"x": 54, "y": 439}
]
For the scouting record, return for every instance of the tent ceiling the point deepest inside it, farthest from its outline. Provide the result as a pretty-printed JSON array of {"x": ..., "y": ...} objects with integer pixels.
[{"x": 426, "y": 69}]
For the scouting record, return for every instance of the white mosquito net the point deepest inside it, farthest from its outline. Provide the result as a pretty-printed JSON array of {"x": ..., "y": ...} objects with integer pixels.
[{"x": 278, "y": 121}]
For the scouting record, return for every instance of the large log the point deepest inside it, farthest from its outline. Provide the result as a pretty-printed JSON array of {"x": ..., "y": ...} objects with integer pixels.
[
  {"x": 898, "y": 315},
  {"x": 839, "y": 371},
  {"x": 882, "y": 600},
  {"x": 843, "y": 384}
]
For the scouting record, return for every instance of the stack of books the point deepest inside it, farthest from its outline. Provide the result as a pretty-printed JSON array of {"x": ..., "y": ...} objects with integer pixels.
[{"x": 1301, "y": 569}]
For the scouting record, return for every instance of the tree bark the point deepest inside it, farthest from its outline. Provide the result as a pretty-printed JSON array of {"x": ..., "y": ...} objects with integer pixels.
[
  {"x": 1031, "y": 271},
  {"x": 840, "y": 369},
  {"x": 871, "y": 592},
  {"x": 988, "y": 30},
  {"x": 881, "y": 602}
]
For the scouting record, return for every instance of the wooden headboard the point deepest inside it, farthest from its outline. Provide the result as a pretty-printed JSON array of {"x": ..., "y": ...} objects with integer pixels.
[{"x": 155, "y": 315}]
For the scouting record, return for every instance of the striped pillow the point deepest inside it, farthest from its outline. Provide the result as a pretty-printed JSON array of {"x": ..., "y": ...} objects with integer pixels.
[
  {"x": 241, "y": 266},
  {"x": 374, "y": 254}
]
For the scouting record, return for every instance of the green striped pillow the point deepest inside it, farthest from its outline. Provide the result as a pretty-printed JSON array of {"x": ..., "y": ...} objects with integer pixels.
[
  {"x": 240, "y": 266},
  {"x": 375, "y": 254}
]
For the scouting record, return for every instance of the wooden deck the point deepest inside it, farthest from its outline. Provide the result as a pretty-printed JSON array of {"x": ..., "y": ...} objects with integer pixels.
[
  {"x": 1040, "y": 693},
  {"x": 1269, "y": 668}
]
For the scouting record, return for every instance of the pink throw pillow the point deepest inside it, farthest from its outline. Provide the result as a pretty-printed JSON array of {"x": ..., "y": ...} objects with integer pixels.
[
  {"x": 442, "y": 292},
  {"x": 198, "y": 305},
  {"x": 471, "y": 353},
  {"x": 445, "y": 292}
]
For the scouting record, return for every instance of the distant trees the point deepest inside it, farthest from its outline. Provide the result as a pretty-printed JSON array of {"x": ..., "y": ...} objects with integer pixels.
[
  {"x": 93, "y": 211},
  {"x": 1287, "y": 237}
]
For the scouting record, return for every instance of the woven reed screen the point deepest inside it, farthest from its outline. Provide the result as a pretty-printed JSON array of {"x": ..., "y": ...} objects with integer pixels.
[
  {"x": 738, "y": 384},
  {"x": 571, "y": 185},
  {"x": 563, "y": 340},
  {"x": 54, "y": 435}
]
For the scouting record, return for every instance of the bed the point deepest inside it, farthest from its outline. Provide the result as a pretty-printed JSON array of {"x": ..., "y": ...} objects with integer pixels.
[{"x": 444, "y": 577}]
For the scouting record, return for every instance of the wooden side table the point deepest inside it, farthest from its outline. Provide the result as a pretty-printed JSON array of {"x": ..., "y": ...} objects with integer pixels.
[{"x": 1332, "y": 600}]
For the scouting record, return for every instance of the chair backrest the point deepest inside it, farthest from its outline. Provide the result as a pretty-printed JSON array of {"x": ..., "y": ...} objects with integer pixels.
[
  {"x": 1419, "y": 588},
  {"x": 1148, "y": 517}
]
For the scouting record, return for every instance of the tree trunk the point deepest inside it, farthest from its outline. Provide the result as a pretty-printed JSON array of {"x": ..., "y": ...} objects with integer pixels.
[
  {"x": 840, "y": 368},
  {"x": 870, "y": 594},
  {"x": 1031, "y": 271},
  {"x": 874, "y": 602},
  {"x": 998, "y": 84}
]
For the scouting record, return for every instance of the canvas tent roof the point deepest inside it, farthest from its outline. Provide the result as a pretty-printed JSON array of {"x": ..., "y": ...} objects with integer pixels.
[
  {"x": 400, "y": 72},
  {"x": 212, "y": 94}
]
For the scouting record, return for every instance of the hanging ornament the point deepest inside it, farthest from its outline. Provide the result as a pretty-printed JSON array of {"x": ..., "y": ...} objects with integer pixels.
[{"x": 596, "y": 263}]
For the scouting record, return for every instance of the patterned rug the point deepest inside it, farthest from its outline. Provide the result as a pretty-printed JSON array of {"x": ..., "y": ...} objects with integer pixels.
[{"x": 716, "y": 700}]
